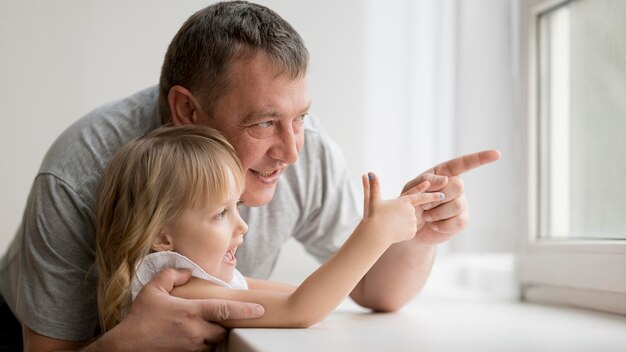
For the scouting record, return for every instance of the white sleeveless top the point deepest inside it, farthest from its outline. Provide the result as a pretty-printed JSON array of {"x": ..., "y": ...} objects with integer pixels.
[{"x": 157, "y": 261}]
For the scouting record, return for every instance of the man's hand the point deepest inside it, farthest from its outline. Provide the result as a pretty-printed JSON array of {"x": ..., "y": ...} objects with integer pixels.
[
  {"x": 403, "y": 270},
  {"x": 443, "y": 219},
  {"x": 157, "y": 321}
]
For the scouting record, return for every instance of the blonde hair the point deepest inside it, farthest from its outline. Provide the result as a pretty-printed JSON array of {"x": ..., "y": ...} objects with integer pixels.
[{"x": 146, "y": 185}]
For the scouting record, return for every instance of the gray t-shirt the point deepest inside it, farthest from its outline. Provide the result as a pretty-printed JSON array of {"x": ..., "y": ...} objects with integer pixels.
[{"x": 48, "y": 275}]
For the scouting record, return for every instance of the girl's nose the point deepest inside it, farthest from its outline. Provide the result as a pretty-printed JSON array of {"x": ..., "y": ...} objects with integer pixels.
[{"x": 243, "y": 227}]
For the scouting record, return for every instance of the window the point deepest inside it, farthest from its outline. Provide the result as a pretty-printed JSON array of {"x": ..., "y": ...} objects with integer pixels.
[{"x": 576, "y": 74}]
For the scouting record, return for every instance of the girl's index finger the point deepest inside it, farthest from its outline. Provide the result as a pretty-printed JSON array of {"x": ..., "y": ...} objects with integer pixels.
[
  {"x": 423, "y": 198},
  {"x": 374, "y": 187},
  {"x": 419, "y": 188},
  {"x": 366, "y": 195}
]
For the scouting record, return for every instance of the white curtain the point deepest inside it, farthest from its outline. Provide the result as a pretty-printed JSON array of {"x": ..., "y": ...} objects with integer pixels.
[{"x": 410, "y": 93}]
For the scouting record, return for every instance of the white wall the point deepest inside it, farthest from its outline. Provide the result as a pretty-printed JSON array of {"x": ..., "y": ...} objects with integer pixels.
[
  {"x": 59, "y": 60},
  {"x": 374, "y": 79},
  {"x": 487, "y": 117}
]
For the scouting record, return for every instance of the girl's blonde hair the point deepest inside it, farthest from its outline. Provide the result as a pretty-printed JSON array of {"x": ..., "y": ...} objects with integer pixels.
[{"x": 146, "y": 185}]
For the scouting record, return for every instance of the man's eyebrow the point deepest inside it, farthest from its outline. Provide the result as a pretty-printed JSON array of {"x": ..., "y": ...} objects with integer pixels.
[
  {"x": 308, "y": 107},
  {"x": 261, "y": 114}
]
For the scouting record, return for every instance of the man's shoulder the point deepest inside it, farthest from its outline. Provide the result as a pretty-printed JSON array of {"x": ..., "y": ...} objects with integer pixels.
[{"x": 80, "y": 154}]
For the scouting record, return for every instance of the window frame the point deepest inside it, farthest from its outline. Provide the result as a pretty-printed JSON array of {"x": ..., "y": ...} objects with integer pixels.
[{"x": 582, "y": 273}]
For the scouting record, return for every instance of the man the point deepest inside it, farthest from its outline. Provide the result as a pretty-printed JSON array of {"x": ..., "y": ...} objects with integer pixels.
[{"x": 241, "y": 69}]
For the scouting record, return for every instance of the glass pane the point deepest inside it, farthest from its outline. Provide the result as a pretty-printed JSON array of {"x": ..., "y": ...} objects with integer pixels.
[{"x": 582, "y": 120}]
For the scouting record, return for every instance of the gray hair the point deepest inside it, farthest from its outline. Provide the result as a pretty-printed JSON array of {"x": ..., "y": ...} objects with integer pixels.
[{"x": 200, "y": 55}]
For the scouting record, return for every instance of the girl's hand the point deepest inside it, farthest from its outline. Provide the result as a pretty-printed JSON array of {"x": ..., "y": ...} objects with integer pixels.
[{"x": 394, "y": 218}]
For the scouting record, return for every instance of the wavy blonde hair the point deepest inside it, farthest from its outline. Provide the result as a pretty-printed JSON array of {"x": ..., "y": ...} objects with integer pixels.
[{"x": 146, "y": 185}]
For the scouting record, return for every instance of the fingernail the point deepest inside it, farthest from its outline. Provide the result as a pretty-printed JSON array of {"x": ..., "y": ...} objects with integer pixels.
[
  {"x": 434, "y": 227},
  {"x": 370, "y": 176},
  {"x": 427, "y": 217},
  {"x": 442, "y": 196},
  {"x": 259, "y": 310}
]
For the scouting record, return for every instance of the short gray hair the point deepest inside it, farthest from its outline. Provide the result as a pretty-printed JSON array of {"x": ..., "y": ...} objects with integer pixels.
[{"x": 199, "y": 56}]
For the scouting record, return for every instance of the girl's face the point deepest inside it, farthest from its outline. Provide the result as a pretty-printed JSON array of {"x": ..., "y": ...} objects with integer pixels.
[{"x": 210, "y": 235}]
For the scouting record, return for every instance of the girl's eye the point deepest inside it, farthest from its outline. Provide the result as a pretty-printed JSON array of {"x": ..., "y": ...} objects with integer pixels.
[{"x": 222, "y": 214}]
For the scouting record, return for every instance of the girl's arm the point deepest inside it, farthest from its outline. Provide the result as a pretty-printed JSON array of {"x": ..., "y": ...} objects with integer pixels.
[
  {"x": 257, "y": 284},
  {"x": 384, "y": 223}
]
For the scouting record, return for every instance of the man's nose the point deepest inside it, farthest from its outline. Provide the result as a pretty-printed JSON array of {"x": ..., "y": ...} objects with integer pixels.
[{"x": 286, "y": 149}]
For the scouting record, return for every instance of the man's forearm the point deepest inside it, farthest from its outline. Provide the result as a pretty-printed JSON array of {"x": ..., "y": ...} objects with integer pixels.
[
  {"x": 111, "y": 341},
  {"x": 396, "y": 277}
]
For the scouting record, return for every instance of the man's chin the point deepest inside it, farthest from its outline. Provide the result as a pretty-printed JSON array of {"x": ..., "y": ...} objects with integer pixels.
[{"x": 258, "y": 198}]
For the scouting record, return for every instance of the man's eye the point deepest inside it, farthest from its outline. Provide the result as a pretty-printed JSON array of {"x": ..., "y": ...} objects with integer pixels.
[
  {"x": 265, "y": 124},
  {"x": 302, "y": 117}
]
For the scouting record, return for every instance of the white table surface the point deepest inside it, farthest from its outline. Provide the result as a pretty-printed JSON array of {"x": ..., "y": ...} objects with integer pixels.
[{"x": 446, "y": 323}]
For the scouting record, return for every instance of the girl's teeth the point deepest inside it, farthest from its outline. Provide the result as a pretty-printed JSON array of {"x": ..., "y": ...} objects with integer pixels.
[
  {"x": 229, "y": 255},
  {"x": 265, "y": 174}
]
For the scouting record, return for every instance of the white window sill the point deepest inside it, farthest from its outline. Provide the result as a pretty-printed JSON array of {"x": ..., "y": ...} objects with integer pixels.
[
  {"x": 450, "y": 324},
  {"x": 445, "y": 318}
]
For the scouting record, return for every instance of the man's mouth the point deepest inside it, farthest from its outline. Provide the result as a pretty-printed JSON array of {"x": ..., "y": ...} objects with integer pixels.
[
  {"x": 266, "y": 173},
  {"x": 267, "y": 176}
]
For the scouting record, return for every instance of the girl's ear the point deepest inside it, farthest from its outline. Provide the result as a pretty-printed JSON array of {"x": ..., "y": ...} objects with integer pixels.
[{"x": 163, "y": 242}]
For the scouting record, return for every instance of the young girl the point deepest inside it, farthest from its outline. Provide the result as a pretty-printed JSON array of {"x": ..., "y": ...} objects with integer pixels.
[{"x": 169, "y": 199}]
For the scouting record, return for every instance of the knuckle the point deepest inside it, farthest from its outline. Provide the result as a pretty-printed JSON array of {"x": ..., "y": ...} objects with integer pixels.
[
  {"x": 214, "y": 333},
  {"x": 457, "y": 206},
  {"x": 461, "y": 204},
  {"x": 461, "y": 221},
  {"x": 168, "y": 272},
  {"x": 459, "y": 185},
  {"x": 222, "y": 311},
  {"x": 196, "y": 337},
  {"x": 163, "y": 275},
  {"x": 189, "y": 314}
]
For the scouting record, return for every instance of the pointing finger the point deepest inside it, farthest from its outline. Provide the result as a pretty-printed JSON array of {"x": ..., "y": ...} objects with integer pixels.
[{"x": 466, "y": 163}]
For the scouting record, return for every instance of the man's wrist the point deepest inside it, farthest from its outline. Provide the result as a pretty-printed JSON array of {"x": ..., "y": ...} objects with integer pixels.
[
  {"x": 111, "y": 341},
  {"x": 420, "y": 247}
]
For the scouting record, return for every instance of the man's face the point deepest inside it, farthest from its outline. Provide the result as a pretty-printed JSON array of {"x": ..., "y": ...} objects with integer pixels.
[{"x": 262, "y": 116}]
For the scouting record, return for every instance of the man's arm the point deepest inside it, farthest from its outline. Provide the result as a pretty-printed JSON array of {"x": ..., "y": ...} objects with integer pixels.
[
  {"x": 157, "y": 321},
  {"x": 404, "y": 268}
]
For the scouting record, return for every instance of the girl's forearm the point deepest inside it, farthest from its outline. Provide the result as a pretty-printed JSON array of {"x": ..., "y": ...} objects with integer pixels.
[
  {"x": 329, "y": 285},
  {"x": 315, "y": 298}
]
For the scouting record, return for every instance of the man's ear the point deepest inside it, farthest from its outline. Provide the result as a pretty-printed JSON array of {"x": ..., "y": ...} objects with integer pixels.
[
  {"x": 183, "y": 106},
  {"x": 163, "y": 242}
]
